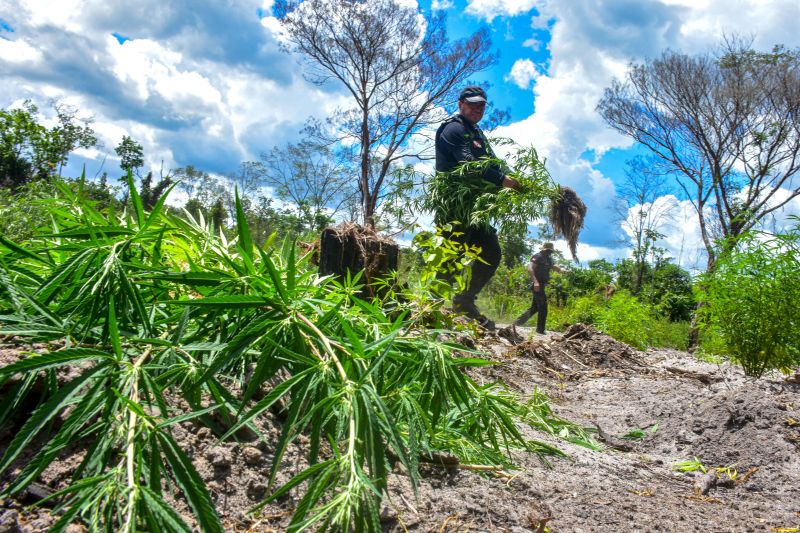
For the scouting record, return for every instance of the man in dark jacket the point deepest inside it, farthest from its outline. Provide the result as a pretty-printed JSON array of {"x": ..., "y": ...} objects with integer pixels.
[
  {"x": 459, "y": 140},
  {"x": 539, "y": 270}
]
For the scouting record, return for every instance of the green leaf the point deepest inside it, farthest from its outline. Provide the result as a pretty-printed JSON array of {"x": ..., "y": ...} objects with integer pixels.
[
  {"x": 135, "y": 199},
  {"x": 204, "y": 346},
  {"x": 78, "y": 486},
  {"x": 234, "y": 301},
  {"x": 43, "y": 415},
  {"x": 113, "y": 328},
  {"x": 156, "y": 211},
  {"x": 131, "y": 405},
  {"x": 163, "y": 511},
  {"x": 187, "y": 416},
  {"x": 92, "y": 232},
  {"x": 11, "y": 245},
  {"x": 191, "y": 484},
  {"x": 243, "y": 228},
  {"x": 269, "y": 400},
  {"x": 275, "y": 277},
  {"x": 51, "y": 359},
  {"x": 299, "y": 478},
  {"x": 194, "y": 279}
]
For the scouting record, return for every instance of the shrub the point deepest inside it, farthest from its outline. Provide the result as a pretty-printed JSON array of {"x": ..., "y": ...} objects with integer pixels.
[
  {"x": 584, "y": 309},
  {"x": 751, "y": 302},
  {"x": 668, "y": 334},
  {"x": 628, "y": 320}
]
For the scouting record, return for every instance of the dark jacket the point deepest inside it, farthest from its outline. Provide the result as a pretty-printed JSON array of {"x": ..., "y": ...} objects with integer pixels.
[
  {"x": 459, "y": 141},
  {"x": 542, "y": 264}
]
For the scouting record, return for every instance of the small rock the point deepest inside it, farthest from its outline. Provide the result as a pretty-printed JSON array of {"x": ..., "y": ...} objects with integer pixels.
[
  {"x": 219, "y": 457},
  {"x": 203, "y": 433},
  {"x": 388, "y": 514},
  {"x": 8, "y": 521},
  {"x": 252, "y": 456},
  {"x": 256, "y": 490}
]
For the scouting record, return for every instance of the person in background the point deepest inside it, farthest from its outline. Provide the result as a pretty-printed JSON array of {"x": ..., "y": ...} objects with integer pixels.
[
  {"x": 539, "y": 270},
  {"x": 459, "y": 140}
]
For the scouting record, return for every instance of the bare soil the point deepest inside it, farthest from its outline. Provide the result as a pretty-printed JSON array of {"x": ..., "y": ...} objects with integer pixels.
[{"x": 688, "y": 410}]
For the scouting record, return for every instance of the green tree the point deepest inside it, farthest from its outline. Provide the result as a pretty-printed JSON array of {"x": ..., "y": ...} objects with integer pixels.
[
  {"x": 398, "y": 66},
  {"x": 30, "y": 151},
  {"x": 516, "y": 248},
  {"x": 131, "y": 155},
  {"x": 582, "y": 281}
]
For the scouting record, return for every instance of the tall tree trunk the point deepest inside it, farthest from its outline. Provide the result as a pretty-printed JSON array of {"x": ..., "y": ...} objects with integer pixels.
[
  {"x": 694, "y": 328},
  {"x": 366, "y": 196}
]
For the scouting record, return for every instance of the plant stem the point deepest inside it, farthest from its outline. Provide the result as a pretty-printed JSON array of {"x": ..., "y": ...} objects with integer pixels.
[{"x": 130, "y": 450}]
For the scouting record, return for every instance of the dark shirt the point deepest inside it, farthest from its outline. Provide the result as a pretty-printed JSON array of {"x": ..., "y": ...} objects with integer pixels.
[
  {"x": 459, "y": 141},
  {"x": 542, "y": 265}
]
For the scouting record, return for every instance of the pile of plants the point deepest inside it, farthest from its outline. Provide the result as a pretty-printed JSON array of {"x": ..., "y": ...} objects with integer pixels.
[
  {"x": 463, "y": 196},
  {"x": 153, "y": 310}
]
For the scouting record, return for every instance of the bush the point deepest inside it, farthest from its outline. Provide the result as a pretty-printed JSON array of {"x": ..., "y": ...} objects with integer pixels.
[
  {"x": 751, "y": 302},
  {"x": 585, "y": 309},
  {"x": 628, "y": 320},
  {"x": 668, "y": 334}
]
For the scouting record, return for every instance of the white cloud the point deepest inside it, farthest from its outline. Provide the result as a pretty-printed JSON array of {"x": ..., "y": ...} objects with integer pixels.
[
  {"x": 523, "y": 72},
  {"x": 19, "y": 52},
  {"x": 209, "y": 90},
  {"x": 594, "y": 42},
  {"x": 588, "y": 252},
  {"x": 489, "y": 9}
]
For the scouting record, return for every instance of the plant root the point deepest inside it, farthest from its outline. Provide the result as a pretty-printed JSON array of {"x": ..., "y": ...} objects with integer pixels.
[{"x": 567, "y": 213}]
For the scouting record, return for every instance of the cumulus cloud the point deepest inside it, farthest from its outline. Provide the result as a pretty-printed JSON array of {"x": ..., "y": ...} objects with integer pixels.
[
  {"x": 489, "y": 9},
  {"x": 195, "y": 82},
  {"x": 591, "y": 43},
  {"x": 523, "y": 73}
]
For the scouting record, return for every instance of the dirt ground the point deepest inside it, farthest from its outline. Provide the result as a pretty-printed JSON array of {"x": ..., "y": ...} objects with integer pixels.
[{"x": 745, "y": 433}]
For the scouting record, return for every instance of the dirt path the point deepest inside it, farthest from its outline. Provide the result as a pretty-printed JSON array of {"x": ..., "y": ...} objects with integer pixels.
[{"x": 687, "y": 409}]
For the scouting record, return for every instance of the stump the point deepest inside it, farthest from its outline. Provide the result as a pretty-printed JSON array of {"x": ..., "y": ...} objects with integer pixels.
[{"x": 350, "y": 248}]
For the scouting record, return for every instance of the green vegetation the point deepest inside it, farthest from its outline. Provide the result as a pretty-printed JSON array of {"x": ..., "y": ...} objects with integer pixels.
[
  {"x": 654, "y": 317},
  {"x": 751, "y": 302},
  {"x": 150, "y": 307},
  {"x": 30, "y": 151}
]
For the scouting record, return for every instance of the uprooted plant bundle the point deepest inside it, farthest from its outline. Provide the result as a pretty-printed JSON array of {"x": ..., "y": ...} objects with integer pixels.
[
  {"x": 463, "y": 196},
  {"x": 153, "y": 312}
]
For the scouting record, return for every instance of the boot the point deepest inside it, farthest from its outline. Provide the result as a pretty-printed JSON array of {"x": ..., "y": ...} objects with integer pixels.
[{"x": 465, "y": 303}]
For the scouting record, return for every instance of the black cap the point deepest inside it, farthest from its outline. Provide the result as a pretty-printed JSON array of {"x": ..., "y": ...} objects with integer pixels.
[{"x": 472, "y": 94}]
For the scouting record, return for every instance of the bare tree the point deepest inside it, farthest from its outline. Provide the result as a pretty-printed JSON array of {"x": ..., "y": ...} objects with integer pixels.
[
  {"x": 398, "y": 66},
  {"x": 643, "y": 206},
  {"x": 310, "y": 176},
  {"x": 727, "y": 125}
]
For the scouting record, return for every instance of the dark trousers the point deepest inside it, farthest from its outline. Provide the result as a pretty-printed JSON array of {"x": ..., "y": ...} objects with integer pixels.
[
  {"x": 486, "y": 239},
  {"x": 538, "y": 305}
]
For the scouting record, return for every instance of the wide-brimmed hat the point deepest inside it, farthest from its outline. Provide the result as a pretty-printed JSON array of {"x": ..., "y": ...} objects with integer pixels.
[
  {"x": 547, "y": 246},
  {"x": 472, "y": 94}
]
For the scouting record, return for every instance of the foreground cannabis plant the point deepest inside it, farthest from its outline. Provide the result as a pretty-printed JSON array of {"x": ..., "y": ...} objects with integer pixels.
[{"x": 150, "y": 310}]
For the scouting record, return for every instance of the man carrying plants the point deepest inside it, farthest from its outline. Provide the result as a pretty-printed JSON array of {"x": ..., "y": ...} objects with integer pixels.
[
  {"x": 459, "y": 144},
  {"x": 539, "y": 270}
]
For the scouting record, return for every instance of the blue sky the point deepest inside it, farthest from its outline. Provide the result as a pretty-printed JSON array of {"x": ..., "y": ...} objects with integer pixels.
[{"x": 203, "y": 83}]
